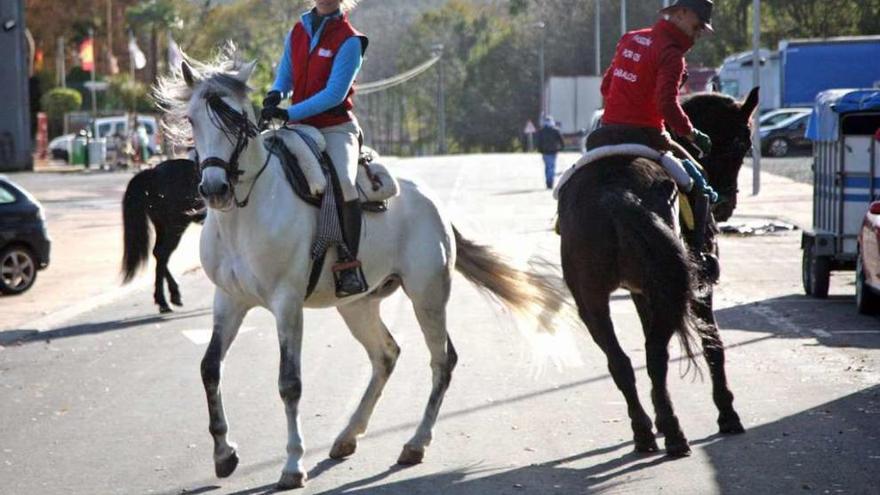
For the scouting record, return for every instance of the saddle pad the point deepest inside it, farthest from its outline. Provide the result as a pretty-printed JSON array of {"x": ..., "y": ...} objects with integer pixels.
[{"x": 669, "y": 162}]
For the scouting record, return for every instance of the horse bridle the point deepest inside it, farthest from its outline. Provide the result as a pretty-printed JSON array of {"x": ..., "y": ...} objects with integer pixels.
[{"x": 239, "y": 129}]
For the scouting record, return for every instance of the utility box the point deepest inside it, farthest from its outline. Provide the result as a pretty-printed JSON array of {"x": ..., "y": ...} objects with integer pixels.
[{"x": 15, "y": 129}]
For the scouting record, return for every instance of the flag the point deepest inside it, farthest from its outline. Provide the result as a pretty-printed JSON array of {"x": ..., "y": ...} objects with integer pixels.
[
  {"x": 87, "y": 55},
  {"x": 175, "y": 58},
  {"x": 137, "y": 56}
]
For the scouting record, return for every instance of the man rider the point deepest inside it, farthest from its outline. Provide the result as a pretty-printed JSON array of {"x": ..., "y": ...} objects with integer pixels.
[
  {"x": 641, "y": 88},
  {"x": 322, "y": 56}
]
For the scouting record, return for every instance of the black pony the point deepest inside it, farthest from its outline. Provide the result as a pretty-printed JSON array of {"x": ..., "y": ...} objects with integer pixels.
[
  {"x": 168, "y": 196},
  {"x": 617, "y": 226}
]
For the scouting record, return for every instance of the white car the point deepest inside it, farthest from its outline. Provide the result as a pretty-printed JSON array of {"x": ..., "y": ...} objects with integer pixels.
[{"x": 61, "y": 147}]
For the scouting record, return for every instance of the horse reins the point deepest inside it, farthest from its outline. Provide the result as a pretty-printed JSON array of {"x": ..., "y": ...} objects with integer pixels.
[{"x": 225, "y": 118}]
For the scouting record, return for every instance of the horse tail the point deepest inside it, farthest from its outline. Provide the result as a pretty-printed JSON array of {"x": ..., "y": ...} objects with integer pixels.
[
  {"x": 526, "y": 292},
  {"x": 666, "y": 271},
  {"x": 136, "y": 233}
]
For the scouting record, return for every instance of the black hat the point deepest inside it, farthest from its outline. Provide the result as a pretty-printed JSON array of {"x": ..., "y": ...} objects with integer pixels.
[{"x": 703, "y": 9}]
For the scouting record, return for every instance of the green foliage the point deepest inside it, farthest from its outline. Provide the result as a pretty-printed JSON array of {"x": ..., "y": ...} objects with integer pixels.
[
  {"x": 126, "y": 94},
  {"x": 58, "y": 101}
]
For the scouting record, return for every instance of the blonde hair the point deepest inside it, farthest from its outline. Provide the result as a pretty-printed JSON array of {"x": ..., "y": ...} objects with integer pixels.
[{"x": 347, "y": 5}]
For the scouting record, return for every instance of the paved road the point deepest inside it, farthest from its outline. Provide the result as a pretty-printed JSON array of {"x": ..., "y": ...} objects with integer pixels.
[{"x": 111, "y": 401}]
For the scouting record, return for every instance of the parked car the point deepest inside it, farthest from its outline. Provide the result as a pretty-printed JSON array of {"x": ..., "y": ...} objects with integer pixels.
[
  {"x": 788, "y": 135},
  {"x": 24, "y": 242},
  {"x": 61, "y": 148},
  {"x": 868, "y": 263},
  {"x": 776, "y": 117}
]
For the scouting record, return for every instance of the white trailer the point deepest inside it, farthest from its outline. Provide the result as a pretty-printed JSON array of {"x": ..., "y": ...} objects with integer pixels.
[{"x": 572, "y": 101}]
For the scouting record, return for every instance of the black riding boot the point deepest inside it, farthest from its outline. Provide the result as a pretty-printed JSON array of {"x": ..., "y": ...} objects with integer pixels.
[
  {"x": 709, "y": 267},
  {"x": 348, "y": 273}
]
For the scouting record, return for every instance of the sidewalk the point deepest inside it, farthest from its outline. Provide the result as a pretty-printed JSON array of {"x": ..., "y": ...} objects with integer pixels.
[{"x": 780, "y": 198}]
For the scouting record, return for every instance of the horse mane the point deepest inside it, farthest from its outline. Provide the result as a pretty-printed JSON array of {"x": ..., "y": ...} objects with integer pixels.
[{"x": 172, "y": 94}]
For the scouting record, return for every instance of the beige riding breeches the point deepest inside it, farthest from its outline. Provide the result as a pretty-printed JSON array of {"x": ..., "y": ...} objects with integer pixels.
[{"x": 344, "y": 150}]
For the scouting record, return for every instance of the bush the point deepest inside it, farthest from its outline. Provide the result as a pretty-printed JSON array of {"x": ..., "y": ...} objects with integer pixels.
[
  {"x": 57, "y": 102},
  {"x": 125, "y": 94}
]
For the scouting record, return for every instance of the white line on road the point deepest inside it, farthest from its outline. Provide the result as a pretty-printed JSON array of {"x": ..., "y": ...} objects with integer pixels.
[
  {"x": 856, "y": 332},
  {"x": 202, "y": 337},
  {"x": 821, "y": 333}
]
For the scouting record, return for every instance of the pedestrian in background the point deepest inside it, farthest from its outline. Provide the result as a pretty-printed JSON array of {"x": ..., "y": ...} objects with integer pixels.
[{"x": 549, "y": 144}]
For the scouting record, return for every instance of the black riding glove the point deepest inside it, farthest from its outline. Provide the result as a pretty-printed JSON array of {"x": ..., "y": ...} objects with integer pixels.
[
  {"x": 272, "y": 99},
  {"x": 274, "y": 113},
  {"x": 702, "y": 141}
]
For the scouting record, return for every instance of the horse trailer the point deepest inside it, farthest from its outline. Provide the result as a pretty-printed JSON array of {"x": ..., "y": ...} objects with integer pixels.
[
  {"x": 844, "y": 128},
  {"x": 15, "y": 133}
]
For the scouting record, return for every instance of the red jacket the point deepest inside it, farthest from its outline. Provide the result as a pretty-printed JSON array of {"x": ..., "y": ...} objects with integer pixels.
[
  {"x": 312, "y": 70},
  {"x": 641, "y": 85}
]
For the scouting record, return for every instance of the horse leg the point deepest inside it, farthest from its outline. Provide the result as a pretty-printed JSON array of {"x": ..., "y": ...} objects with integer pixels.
[
  {"x": 429, "y": 302},
  {"x": 597, "y": 316},
  {"x": 161, "y": 253},
  {"x": 290, "y": 333},
  {"x": 713, "y": 349},
  {"x": 228, "y": 316},
  {"x": 173, "y": 240},
  {"x": 365, "y": 323}
]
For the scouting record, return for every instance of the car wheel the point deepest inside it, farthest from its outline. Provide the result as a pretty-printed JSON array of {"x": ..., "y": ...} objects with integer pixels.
[
  {"x": 778, "y": 147},
  {"x": 18, "y": 270},
  {"x": 867, "y": 301}
]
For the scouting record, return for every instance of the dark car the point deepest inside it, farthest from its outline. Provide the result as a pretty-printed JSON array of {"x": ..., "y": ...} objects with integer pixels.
[
  {"x": 781, "y": 139},
  {"x": 24, "y": 242},
  {"x": 868, "y": 262}
]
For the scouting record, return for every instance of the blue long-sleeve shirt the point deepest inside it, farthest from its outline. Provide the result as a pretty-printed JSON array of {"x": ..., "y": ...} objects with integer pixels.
[{"x": 346, "y": 65}]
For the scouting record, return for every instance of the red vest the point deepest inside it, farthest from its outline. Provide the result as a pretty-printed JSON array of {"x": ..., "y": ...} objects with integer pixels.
[{"x": 311, "y": 71}]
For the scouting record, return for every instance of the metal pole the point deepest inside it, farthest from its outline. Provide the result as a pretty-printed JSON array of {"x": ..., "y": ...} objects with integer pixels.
[
  {"x": 622, "y": 17},
  {"x": 665, "y": 3},
  {"x": 541, "y": 73},
  {"x": 59, "y": 56},
  {"x": 756, "y": 77},
  {"x": 94, "y": 64},
  {"x": 598, "y": 41},
  {"x": 441, "y": 100}
]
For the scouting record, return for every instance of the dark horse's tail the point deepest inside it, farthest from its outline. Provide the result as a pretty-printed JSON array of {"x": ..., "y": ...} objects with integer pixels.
[
  {"x": 665, "y": 268},
  {"x": 136, "y": 233}
]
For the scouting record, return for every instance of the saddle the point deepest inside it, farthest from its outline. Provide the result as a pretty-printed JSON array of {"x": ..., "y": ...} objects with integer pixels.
[{"x": 302, "y": 152}]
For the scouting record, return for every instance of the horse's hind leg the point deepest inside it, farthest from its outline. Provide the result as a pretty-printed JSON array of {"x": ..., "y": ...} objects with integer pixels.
[
  {"x": 597, "y": 316},
  {"x": 173, "y": 241},
  {"x": 658, "y": 332},
  {"x": 713, "y": 349},
  {"x": 161, "y": 253},
  {"x": 228, "y": 316},
  {"x": 429, "y": 302},
  {"x": 365, "y": 323}
]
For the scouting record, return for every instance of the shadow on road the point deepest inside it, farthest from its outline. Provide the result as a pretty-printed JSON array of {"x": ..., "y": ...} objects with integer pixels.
[
  {"x": 798, "y": 316},
  {"x": 20, "y": 337}
]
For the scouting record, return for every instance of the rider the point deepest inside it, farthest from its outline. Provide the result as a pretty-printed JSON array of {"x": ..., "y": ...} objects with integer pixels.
[
  {"x": 322, "y": 56},
  {"x": 641, "y": 93}
]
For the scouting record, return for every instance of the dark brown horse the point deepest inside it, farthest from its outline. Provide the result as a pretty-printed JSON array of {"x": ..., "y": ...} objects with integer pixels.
[{"x": 618, "y": 230}]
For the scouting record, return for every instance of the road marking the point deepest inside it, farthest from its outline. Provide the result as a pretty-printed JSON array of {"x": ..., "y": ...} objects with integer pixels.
[
  {"x": 202, "y": 337},
  {"x": 821, "y": 333},
  {"x": 856, "y": 332}
]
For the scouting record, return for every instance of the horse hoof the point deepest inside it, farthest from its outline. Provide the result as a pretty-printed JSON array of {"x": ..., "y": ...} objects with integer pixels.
[
  {"x": 647, "y": 446},
  {"x": 227, "y": 466},
  {"x": 289, "y": 481},
  {"x": 342, "y": 450},
  {"x": 177, "y": 301},
  {"x": 164, "y": 309},
  {"x": 410, "y": 456},
  {"x": 730, "y": 427},
  {"x": 678, "y": 449}
]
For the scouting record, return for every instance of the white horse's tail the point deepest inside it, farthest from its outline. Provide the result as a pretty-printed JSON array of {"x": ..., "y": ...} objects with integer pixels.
[{"x": 526, "y": 292}]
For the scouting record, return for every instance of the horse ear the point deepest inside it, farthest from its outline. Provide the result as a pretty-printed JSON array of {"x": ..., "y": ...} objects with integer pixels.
[
  {"x": 246, "y": 70},
  {"x": 748, "y": 106},
  {"x": 190, "y": 75}
]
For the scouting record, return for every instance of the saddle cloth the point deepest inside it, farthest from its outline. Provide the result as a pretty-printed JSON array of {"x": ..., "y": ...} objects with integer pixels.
[
  {"x": 374, "y": 182},
  {"x": 667, "y": 160}
]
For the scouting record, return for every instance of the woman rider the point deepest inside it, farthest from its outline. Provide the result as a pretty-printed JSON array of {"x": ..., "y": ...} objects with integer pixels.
[{"x": 322, "y": 56}]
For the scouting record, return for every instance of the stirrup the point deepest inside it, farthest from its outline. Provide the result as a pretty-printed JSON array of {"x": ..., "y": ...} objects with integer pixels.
[{"x": 349, "y": 278}]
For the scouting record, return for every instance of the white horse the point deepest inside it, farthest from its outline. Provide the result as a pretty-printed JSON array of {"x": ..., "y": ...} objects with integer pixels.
[{"x": 258, "y": 254}]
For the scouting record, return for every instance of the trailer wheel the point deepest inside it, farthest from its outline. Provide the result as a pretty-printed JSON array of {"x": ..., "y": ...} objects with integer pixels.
[
  {"x": 806, "y": 269},
  {"x": 820, "y": 276},
  {"x": 867, "y": 301}
]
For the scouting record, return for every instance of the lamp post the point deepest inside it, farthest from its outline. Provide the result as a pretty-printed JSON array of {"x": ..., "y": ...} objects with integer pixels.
[
  {"x": 756, "y": 76},
  {"x": 437, "y": 50},
  {"x": 541, "y": 71},
  {"x": 598, "y": 29}
]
